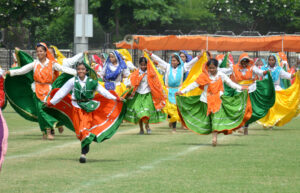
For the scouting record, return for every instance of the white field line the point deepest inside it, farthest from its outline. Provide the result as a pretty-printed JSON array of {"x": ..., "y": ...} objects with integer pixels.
[
  {"x": 51, "y": 148},
  {"x": 144, "y": 168}
]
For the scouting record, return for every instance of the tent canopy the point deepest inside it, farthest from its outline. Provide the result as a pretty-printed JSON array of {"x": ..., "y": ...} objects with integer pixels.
[{"x": 290, "y": 43}]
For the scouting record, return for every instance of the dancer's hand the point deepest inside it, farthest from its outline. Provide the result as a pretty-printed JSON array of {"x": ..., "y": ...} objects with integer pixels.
[
  {"x": 265, "y": 72},
  {"x": 86, "y": 52},
  {"x": 132, "y": 95},
  {"x": 201, "y": 54},
  {"x": 6, "y": 73},
  {"x": 178, "y": 93},
  {"x": 148, "y": 52},
  {"x": 121, "y": 99}
]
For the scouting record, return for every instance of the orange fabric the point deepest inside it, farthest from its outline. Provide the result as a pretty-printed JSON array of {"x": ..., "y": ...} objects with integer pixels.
[
  {"x": 159, "y": 99},
  {"x": 136, "y": 79},
  {"x": 291, "y": 43},
  {"x": 238, "y": 76},
  {"x": 43, "y": 77},
  {"x": 213, "y": 91},
  {"x": 100, "y": 119}
]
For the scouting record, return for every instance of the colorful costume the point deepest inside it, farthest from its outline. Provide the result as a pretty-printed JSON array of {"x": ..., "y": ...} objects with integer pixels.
[
  {"x": 93, "y": 117},
  {"x": 262, "y": 93},
  {"x": 173, "y": 79},
  {"x": 113, "y": 75},
  {"x": 287, "y": 103},
  {"x": 148, "y": 100},
  {"x": 212, "y": 111},
  {"x": 27, "y": 87},
  {"x": 3, "y": 127}
]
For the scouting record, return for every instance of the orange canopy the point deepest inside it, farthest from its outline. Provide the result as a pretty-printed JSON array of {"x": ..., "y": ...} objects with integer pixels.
[{"x": 290, "y": 43}]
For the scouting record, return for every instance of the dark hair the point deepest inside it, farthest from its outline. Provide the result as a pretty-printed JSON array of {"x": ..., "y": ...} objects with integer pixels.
[
  {"x": 40, "y": 45},
  {"x": 212, "y": 61},
  {"x": 176, "y": 57},
  {"x": 245, "y": 60},
  {"x": 182, "y": 53},
  {"x": 53, "y": 51},
  {"x": 209, "y": 54},
  {"x": 272, "y": 56},
  {"x": 142, "y": 59},
  {"x": 81, "y": 63}
]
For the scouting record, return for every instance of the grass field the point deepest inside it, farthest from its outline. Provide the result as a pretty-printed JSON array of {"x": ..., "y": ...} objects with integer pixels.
[{"x": 263, "y": 161}]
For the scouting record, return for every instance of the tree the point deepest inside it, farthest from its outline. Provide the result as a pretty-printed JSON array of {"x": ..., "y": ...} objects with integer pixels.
[{"x": 262, "y": 15}]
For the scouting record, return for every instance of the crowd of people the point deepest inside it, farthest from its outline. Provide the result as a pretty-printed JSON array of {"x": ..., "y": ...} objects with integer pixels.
[{"x": 93, "y": 95}]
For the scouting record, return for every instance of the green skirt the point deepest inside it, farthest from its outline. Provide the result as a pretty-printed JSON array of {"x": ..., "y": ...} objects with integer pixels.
[
  {"x": 262, "y": 98},
  {"x": 230, "y": 116},
  {"x": 142, "y": 107}
]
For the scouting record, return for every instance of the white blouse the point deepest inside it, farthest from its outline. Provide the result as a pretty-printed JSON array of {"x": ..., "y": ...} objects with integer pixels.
[
  {"x": 143, "y": 88},
  {"x": 165, "y": 66},
  {"x": 124, "y": 74},
  {"x": 282, "y": 75},
  {"x": 224, "y": 78},
  {"x": 69, "y": 85},
  {"x": 29, "y": 67},
  {"x": 70, "y": 62}
]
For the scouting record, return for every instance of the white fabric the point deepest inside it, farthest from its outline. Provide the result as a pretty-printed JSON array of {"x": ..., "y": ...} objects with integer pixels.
[
  {"x": 130, "y": 65},
  {"x": 256, "y": 71},
  {"x": 69, "y": 85},
  {"x": 70, "y": 62},
  {"x": 143, "y": 88},
  {"x": 282, "y": 75},
  {"x": 166, "y": 67},
  {"x": 224, "y": 78},
  {"x": 29, "y": 67},
  {"x": 124, "y": 74}
]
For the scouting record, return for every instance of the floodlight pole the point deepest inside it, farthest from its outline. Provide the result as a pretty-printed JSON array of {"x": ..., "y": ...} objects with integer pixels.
[{"x": 81, "y": 42}]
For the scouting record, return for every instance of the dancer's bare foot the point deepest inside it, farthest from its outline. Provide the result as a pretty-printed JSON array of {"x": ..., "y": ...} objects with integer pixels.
[
  {"x": 49, "y": 135},
  {"x": 60, "y": 129},
  {"x": 214, "y": 140}
]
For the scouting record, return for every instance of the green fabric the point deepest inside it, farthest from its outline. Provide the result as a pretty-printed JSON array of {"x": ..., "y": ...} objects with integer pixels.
[
  {"x": 224, "y": 62},
  {"x": 285, "y": 83},
  {"x": 91, "y": 72},
  {"x": 61, "y": 80},
  {"x": 18, "y": 90},
  {"x": 108, "y": 133},
  {"x": 230, "y": 115},
  {"x": 60, "y": 116},
  {"x": 141, "y": 105},
  {"x": 262, "y": 99},
  {"x": 44, "y": 119},
  {"x": 84, "y": 95}
]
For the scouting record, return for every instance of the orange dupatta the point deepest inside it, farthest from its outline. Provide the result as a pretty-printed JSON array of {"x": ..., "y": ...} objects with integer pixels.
[
  {"x": 213, "y": 90},
  {"x": 159, "y": 99}
]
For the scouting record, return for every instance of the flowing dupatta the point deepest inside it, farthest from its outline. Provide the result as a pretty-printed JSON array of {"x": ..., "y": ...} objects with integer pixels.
[
  {"x": 213, "y": 91},
  {"x": 193, "y": 75},
  {"x": 155, "y": 84}
]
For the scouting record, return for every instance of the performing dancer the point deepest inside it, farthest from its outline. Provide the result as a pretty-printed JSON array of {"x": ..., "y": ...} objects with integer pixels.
[
  {"x": 147, "y": 99},
  {"x": 113, "y": 73},
  {"x": 287, "y": 103},
  {"x": 28, "y": 93},
  {"x": 93, "y": 117},
  {"x": 174, "y": 77},
  {"x": 212, "y": 112}
]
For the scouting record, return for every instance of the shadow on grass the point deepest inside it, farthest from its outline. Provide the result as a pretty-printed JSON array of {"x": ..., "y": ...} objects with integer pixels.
[{"x": 88, "y": 160}]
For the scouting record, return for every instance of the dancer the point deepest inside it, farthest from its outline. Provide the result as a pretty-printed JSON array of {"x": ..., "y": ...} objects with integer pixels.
[
  {"x": 29, "y": 103},
  {"x": 3, "y": 127},
  {"x": 287, "y": 101},
  {"x": 174, "y": 76},
  {"x": 113, "y": 73},
  {"x": 94, "y": 118},
  {"x": 147, "y": 99},
  {"x": 213, "y": 113}
]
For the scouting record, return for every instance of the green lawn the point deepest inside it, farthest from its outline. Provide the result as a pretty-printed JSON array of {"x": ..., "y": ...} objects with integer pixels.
[{"x": 263, "y": 161}]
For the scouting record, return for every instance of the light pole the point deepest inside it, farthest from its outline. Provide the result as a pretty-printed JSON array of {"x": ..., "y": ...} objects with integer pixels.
[{"x": 83, "y": 26}]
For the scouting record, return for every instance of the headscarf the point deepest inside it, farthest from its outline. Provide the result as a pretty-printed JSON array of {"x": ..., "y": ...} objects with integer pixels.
[
  {"x": 276, "y": 72},
  {"x": 188, "y": 57},
  {"x": 112, "y": 75},
  {"x": 49, "y": 55},
  {"x": 59, "y": 56}
]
